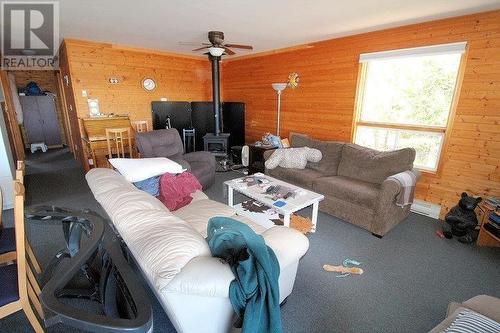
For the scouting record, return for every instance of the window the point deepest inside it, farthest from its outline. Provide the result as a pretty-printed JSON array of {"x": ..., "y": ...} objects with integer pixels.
[{"x": 405, "y": 98}]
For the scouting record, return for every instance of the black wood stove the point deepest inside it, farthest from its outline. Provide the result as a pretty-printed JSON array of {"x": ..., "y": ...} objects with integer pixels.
[{"x": 217, "y": 143}]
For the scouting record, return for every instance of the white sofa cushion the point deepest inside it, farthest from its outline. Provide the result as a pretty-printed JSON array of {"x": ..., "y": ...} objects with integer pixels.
[
  {"x": 118, "y": 196},
  {"x": 203, "y": 276},
  {"x": 101, "y": 180},
  {"x": 198, "y": 195},
  {"x": 287, "y": 252},
  {"x": 259, "y": 229},
  {"x": 211, "y": 277},
  {"x": 198, "y": 212},
  {"x": 123, "y": 201},
  {"x": 137, "y": 169},
  {"x": 162, "y": 245}
]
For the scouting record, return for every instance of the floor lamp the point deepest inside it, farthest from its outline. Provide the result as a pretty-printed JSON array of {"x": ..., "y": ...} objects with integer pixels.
[{"x": 278, "y": 87}]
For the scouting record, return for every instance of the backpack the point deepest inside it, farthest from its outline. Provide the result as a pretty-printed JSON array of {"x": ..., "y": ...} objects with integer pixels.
[{"x": 32, "y": 89}]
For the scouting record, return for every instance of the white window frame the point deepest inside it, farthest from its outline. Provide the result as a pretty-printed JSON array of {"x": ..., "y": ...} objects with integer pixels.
[{"x": 365, "y": 58}]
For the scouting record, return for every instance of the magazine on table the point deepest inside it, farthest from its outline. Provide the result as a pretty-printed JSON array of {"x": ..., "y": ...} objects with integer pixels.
[{"x": 272, "y": 191}]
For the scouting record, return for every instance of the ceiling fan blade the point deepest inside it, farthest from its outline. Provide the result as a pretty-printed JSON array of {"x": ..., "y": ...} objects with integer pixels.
[
  {"x": 193, "y": 43},
  {"x": 229, "y": 51},
  {"x": 201, "y": 48},
  {"x": 189, "y": 43},
  {"x": 239, "y": 46}
]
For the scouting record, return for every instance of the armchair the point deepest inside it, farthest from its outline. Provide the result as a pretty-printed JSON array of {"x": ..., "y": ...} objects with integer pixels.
[{"x": 168, "y": 143}]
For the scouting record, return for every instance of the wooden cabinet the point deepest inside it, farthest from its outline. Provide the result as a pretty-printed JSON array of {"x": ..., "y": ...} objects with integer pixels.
[
  {"x": 40, "y": 120},
  {"x": 485, "y": 238}
]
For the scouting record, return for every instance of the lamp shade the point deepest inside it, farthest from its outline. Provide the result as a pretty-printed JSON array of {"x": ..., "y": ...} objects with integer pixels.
[
  {"x": 216, "y": 51},
  {"x": 279, "y": 86}
]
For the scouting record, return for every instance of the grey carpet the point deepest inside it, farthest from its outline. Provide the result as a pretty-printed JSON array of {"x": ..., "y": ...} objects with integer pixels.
[{"x": 410, "y": 275}]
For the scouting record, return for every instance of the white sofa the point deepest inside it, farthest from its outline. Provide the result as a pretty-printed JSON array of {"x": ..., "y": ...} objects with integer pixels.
[{"x": 171, "y": 250}]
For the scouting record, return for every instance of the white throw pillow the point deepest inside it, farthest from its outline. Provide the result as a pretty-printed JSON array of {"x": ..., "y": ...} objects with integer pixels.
[
  {"x": 137, "y": 169},
  {"x": 293, "y": 158}
]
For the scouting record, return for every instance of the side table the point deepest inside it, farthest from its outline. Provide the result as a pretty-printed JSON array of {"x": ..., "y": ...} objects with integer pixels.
[
  {"x": 485, "y": 238},
  {"x": 256, "y": 158}
]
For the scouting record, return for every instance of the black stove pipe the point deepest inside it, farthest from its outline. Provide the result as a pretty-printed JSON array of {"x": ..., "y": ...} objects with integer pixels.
[{"x": 216, "y": 91}]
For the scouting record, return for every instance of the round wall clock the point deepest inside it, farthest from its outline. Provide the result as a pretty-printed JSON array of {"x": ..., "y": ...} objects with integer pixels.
[{"x": 148, "y": 84}]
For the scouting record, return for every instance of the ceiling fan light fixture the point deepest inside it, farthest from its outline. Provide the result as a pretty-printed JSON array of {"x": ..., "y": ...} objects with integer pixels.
[{"x": 216, "y": 51}]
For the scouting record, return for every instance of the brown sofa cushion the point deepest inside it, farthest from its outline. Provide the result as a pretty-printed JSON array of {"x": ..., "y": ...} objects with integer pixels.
[
  {"x": 348, "y": 189},
  {"x": 331, "y": 150},
  {"x": 300, "y": 177},
  {"x": 374, "y": 166}
]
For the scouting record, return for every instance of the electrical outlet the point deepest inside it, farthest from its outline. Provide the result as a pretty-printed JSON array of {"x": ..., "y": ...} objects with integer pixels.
[{"x": 84, "y": 93}]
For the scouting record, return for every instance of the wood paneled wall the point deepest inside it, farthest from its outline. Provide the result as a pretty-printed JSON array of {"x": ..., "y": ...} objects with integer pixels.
[
  {"x": 323, "y": 104},
  {"x": 47, "y": 81},
  {"x": 14, "y": 132},
  {"x": 177, "y": 77},
  {"x": 89, "y": 65},
  {"x": 67, "y": 96}
]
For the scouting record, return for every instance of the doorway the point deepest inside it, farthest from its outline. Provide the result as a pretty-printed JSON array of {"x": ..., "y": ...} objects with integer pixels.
[{"x": 43, "y": 126}]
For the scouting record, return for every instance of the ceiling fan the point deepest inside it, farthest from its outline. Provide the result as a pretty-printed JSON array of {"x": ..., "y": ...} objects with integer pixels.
[
  {"x": 216, "y": 39},
  {"x": 215, "y": 49}
]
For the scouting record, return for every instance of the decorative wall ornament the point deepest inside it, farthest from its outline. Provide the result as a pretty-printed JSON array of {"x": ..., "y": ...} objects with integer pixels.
[
  {"x": 293, "y": 80},
  {"x": 148, "y": 84}
]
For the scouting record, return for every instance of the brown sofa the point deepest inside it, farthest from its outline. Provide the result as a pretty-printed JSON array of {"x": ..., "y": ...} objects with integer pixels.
[{"x": 353, "y": 180}]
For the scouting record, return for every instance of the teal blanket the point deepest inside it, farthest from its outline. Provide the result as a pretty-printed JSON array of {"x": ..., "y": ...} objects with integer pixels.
[{"x": 254, "y": 293}]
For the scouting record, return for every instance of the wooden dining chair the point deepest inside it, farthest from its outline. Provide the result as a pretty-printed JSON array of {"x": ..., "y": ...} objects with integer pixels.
[
  {"x": 115, "y": 138},
  {"x": 20, "y": 289},
  {"x": 7, "y": 235},
  {"x": 7, "y": 240},
  {"x": 141, "y": 126},
  {"x": 20, "y": 172}
]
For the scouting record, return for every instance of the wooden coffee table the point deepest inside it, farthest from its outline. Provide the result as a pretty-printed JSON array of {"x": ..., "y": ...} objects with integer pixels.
[{"x": 302, "y": 199}]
